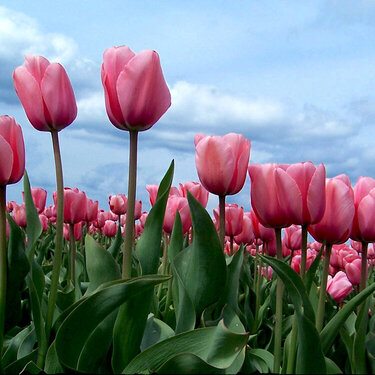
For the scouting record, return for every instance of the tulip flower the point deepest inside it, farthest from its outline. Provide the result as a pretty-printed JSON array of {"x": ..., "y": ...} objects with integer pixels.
[
  {"x": 247, "y": 235},
  {"x": 12, "y": 167},
  {"x": 197, "y": 190},
  {"x": 353, "y": 270},
  {"x": 75, "y": 203},
  {"x": 293, "y": 237},
  {"x": 181, "y": 204},
  {"x": 339, "y": 286},
  {"x": 136, "y": 96},
  {"x": 118, "y": 204},
  {"x": 44, "y": 221},
  {"x": 47, "y": 97},
  {"x": 110, "y": 228},
  {"x": 91, "y": 210},
  {"x": 39, "y": 196}
]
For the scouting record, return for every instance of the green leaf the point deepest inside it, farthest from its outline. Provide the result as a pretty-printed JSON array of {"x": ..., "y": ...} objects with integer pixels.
[
  {"x": 101, "y": 266},
  {"x": 34, "y": 227},
  {"x": 310, "y": 357},
  {"x": 18, "y": 268},
  {"x": 310, "y": 273},
  {"x": 176, "y": 241},
  {"x": 17, "y": 366},
  {"x": 115, "y": 247},
  {"x": 332, "y": 328},
  {"x": 155, "y": 331},
  {"x": 261, "y": 359},
  {"x": 31, "y": 368},
  {"x": 332, "y": 368},
  {"x": 52, "y": 364},
  {"x": 76, "y": 330},
  {"x": 201, "y": 348},
  {"x": 201, "y": 267},
  {"x": 148, "y": 246}
]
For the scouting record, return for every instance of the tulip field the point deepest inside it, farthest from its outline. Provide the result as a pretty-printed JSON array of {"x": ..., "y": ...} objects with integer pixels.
[{"x": 288, "y": 287}]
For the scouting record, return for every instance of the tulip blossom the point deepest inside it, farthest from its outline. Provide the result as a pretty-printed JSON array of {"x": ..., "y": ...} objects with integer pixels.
[
  {"x": 247, "y": 234},
  {"x": 181, "y": 204},
  {"x": 233, "y": 219},
  {"x": 74, "y": 205},
  {"x": 137, "y": 210},
  {"x": 339, "y": 286},
  {"x": 19, "y": 215},
  {"x": 118, "y": 204},
  {"x": 109, "y": 228},
  {"x": 39, "y": 196},
  {"x": 44, "y": 222},
  {"x": 353, "y": 270},
  {"x": 77, "y": 230},
  {"x": 197, "y": 191},
  {"x": 293, "y": 237},
  {"x": 46, "y": 93},
  {"x": 12, "y": 151},
  {"x": 301, "y": 192},
  {"x": 91, "y": 210},
  {"x": 296, "y": 260}
]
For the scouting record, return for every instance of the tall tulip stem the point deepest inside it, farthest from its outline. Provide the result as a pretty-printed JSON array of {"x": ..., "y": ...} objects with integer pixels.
[
  {"x": 59, "y": 233},
  {"x": 129, "y": 226},
  {"x": 72, "y": 241},
  {"x": 323, "y": 288},
  {"x": 3, "y": 266},
  {"x": 279, "y": 307},
  {"x": 222, "y": 219},
  {"x": 303, "y": 252},
  {"x": 362, "y": 285}
]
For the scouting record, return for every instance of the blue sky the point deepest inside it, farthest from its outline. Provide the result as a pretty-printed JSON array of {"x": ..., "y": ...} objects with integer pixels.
[{"x": 296, "y": 78}]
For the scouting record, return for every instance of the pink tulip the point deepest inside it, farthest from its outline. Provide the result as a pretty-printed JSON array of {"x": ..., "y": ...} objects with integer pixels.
[
  {"x": 222, "y": 162},
  {"x": 293, "y": 237},
  {"x": 152, "y": 191},
  {"x": 197, "y": 190},
  {"x": 353, "y": 271},
  {"x": 10, "y": 205},
  {"x": 339, "y": 254},
  {"x": 110, "y": 228},
  {"x": 44, "y": 221},
  {"x": 296, "y": 260},
  {"x": 181, "y": 204},
  {"x": 50, "y": 211},
  {"x": 143, "y": 218},
  {"x": 336, "y": 224},
  {"x": 12, "y": 151},
  {"x": 261, "y": 232},
  {"x": 301, "y": 192},
  {"x": 264, "y": 196},
  {"x": 77, "y": 229},
  {"x": 91, "y": 210},
  {"x": 339, "y": 286},
  {"x": 39, "y": 196},
  {"x": 46, "y": 93},
  {"x": 136, "y": 94},
  {"x": 137, "y": 210},
  {"x": 74, "y": 205},
  {"x": 118, "y": 204},
  {"x": 19, "y": 215},
  {"x": 247, "y": 235},
  {"x": 233, "y": 219}
]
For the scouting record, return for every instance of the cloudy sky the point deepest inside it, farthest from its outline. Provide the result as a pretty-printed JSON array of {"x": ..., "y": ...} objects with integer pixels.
[{"x": 296, "y": 78}]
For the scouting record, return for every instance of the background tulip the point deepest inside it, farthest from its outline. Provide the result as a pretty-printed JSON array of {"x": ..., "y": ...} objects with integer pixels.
[
  {"x": 197, "y": 190},
  {"x": 118, "y": 204},
  {"x": 181, "y": 204},
  {"x": 39, "y": 196},
  {"x": 339, "y": 286},
  {"x": 75, "y": 202}
]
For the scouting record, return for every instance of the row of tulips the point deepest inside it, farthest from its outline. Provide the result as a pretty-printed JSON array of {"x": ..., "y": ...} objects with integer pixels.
[{"x": 85, "y": 304}]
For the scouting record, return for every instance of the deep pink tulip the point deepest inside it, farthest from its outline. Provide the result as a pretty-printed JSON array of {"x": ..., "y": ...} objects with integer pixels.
[
  {"x": 46, "y": 93},
  {"x": 233, "y": 219},
  {"x": 136, "y": 94},
  {"x": 364, "y": 201},
  {"x": 19, "y": 215},
  {"x": 152, "y": 191},
  {"x": 118, "y": 204},
  {"x": 12, "y": 151},
  {"x": 197, "y": 190},
  {"x": 247, "y": 235},
  {"x": 227, "y": 249},
  {"x": 77, "y": 228},
  {"x": 296, "y": 260},
  {"x": 267, "y": 272},
  {"x": 110, "y": 228},
  {"x": 50, "y": 211},
  {"x": 261, "y": 233},
  {"x": 293, "y": 237},
  {"x": 74, "y": 205},
  {"x": 91, "y": 210},
  {"x": 181, "y": 204},
  {"x": 264, "y": 196},
  {"x": 39, "y": 196},
  {"x": 336, "y": 224},
  {"x": 143, "y": 218},
  {"x": 301, "y": 192},
  {"x": 353, "y": 270},
  {"x": 339, "y": 286},
  {"x": 44, "y": 221},
  {"x": 137, "y": 210},
  {"x": 222, "y": 162},
  {"x": 339, "y": 254}
]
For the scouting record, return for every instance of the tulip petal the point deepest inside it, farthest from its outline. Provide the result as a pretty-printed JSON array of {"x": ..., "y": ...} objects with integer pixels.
[
  {"x": 142, "y": 91},
  {"x": 6, "y": 161},
  {"x": 316, "y": 195},
  {"x": 29, "y": 93},
  {"x": 366, "y": 217},
  {"x": 58, "y": 96}
]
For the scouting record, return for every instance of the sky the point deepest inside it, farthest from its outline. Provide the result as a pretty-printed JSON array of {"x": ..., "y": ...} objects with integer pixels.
[{"x": 296, "y": 78}]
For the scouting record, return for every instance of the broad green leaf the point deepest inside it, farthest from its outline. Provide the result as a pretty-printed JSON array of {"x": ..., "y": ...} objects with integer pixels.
[
  {"x": 261, "y": 359},
  {"x": 332, "y": 368},
  {"x": 148, "y": 246},
  {"x": 332, "y": 328},
  {"x": 27, "y": 344},
  {"x": 155, "y": 331},
  {"x": 75, "y": 331},
  {"x": 66, "y": 296},
  {"x": 18, "y": 268},
  {"x": 176, "y": 242},
  {"x": 115, "y": 247},
  {"x": 52, "y": 364},
  {"x": 201, "y": 266},
  {"x": 34, "y": 227},
  {"x": 100, "y": 265},
  {"x": 17, "y": 366},
  {"x": 31, "y": 368},
  {"x": 310, "y": 358},
  {"x": 216, "y": 346}
]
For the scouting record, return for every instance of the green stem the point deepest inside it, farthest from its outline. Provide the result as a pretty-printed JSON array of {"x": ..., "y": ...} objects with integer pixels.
[
  {"x": 59, "y": 235},
  {"x": 303, "y": 252},
  {"x": 279, "y": 308},
  {"x": 163, "y": 263},
  {"x": 3, "y": 266},
  {"x": 231, "y": 245},
  {"x": 222, "y": 220},
  {"x": 323, "y": 288},
  {"x": 362, "y": 285},
  {"x": 72, "y": 252},
  {"x": 129, "y": 225}
]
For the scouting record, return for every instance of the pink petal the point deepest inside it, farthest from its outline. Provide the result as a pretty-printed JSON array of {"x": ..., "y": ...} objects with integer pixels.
[
  {"x": 316, "y": 202},
  {"x": 6, "y": 161}
]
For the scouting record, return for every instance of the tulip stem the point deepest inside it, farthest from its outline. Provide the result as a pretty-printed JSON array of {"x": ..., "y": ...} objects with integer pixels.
[
  {"x": 129, "y": 225},
  {"x": 72, "y": 253},
  {"x": 362, "y": 285},
  {"x": 59, "y": 236},
  {"x": 303, "y": 252},
  {"x": 323, "y": 288},
  {"x": 163, "y": 262},
  {"x": 279, "y": 307},
  {"x": 3, "y": 266},
  {"x": 222, "y": 220}
]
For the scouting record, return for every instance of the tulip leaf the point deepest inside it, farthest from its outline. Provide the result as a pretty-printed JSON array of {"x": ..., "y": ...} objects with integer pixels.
[
  {"x": 155, "y": 331},
  {"x": 52, "y": 364},
  {"x": 176, "y": 241},
  {"x": 76, "y": 330},
  {"x": 332, "y": 328},
  {"x": 100, "y": 265},
  {"x": 115, "y": 247},
  {"x": 201, "y": 349},
  {"x": 17, "y": 366},
  {"x": 260, "y": 359},
  {"x": 310, "y": 358},
  {"x": 18, "y": 268},
  {"x": 201, "y": 267},
  {"x": 34, "y": 227}
]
